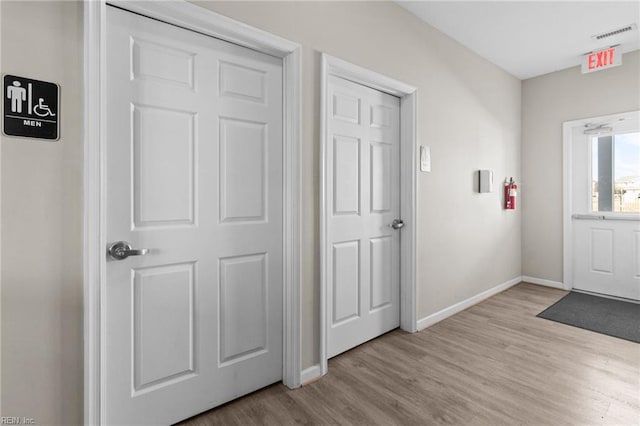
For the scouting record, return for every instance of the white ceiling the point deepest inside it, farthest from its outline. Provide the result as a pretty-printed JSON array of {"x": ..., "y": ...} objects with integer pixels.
[{"x": 531, "y": 38}]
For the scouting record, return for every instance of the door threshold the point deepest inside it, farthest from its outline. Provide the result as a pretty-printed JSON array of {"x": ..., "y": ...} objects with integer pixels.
[{"x": 607, "y": 296}]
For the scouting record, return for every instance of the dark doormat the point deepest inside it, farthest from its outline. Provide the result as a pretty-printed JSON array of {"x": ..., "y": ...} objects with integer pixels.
[{"x": 606, "y": 316}]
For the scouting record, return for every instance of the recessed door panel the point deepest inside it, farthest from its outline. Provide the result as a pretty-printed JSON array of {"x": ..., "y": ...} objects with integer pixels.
[
  {"x": 162, "y": 63},
  {"x": 381, "y": 272},
  {"x": 381, "y": 177},
  {"x": 381, "y": 116},
  {"x": 602, "y": 250},
  {"x": 346, "y": 108},
  {"x": 242, "y": 82},
  {"x": 346, "y": 281},
  {"x": 163, "y": 163},
  {"x": 346, "y": 179},
  {"x": 243, "y": 181},
  {"x": 163, "y": 311},
  {"x": 243, "y": 306}
]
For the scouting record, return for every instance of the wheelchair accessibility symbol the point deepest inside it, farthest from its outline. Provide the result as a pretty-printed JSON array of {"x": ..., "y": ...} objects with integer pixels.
[
  {"x": 42, "y": 110},
  {"x": 30, "y": 108}
]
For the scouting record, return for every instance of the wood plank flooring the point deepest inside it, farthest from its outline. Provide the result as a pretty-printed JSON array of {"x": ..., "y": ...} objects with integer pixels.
[{"x": 494, "y": 364}]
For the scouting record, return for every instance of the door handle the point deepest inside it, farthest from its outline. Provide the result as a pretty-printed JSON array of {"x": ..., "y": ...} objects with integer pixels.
[
  {"x": 122, "y": 249},
  {"x": 397, "y": 224}
]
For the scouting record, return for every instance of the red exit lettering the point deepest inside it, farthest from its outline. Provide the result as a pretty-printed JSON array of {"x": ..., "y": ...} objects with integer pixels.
[{"x": 601, "y": 59}]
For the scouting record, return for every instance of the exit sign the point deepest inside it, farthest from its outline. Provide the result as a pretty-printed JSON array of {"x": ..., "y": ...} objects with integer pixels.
[{"x": 601, "y": 59}]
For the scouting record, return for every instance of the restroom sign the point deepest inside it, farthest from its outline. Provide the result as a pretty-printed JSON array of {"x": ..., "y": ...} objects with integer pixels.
[
  {"x": 601, "y": 59},
  {"x": 31, "y": 108}
]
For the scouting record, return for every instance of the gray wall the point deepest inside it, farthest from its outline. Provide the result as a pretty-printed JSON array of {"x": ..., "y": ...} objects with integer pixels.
[
  {"x": 42, "y": 223},
  {"x": 547, "y": 102},
  {"x": 468, "y": 112}
]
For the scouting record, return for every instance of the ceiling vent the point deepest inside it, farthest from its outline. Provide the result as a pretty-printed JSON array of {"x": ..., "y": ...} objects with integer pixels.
[{"x": 615, "y": 32}]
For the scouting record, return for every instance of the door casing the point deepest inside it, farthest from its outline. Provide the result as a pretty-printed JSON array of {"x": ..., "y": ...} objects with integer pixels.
[
  {"x": 408, "y": 177},
  {"x": 195, "y": 18},
  {"x": 567, "y": 189}
]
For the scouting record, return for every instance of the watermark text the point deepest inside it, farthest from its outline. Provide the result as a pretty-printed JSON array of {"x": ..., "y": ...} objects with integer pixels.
[{"x": 17, "y": 420}]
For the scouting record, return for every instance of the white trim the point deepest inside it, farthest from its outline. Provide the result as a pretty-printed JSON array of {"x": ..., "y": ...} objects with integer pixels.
[
  {"x": 357, "y": 74},
  {"x": 408, "y": 177},
  {"x": 567, "y": 263},
  {"x": 292, "y": 338},
  {"x": 311, "y": 374},
  {"x": 567, "y": 190},
  {"x": 409, "y": 210},
  {"x": 204, "y": 21},
  {"x": 198, "y": 19},
  {"x": 324, "y": 75},
  {"x": 461, "y": 306},
  {"x": 93, "y": 223},
  {"x": 546, "y": 283}
]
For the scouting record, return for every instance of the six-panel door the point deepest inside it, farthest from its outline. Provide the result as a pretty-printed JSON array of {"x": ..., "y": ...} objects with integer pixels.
[
  {"x": 363, "y": 198},
  {"x": 194, "y": 174}
]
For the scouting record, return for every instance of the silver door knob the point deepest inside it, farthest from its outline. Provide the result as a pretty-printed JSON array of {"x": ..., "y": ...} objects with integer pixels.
[
  {"x": 122, "y": 249},
  {"x": 397, "y": 224}
]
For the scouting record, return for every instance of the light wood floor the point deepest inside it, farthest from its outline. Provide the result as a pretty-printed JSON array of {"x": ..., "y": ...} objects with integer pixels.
[{"x": 493, "y": 364}]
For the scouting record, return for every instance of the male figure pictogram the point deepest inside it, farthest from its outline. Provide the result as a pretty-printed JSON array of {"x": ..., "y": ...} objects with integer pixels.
[{"x": 17, "y": 95}]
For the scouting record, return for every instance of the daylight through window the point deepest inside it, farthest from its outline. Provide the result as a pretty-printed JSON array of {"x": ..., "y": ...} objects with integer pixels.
[{"x": 616, "y": 173}]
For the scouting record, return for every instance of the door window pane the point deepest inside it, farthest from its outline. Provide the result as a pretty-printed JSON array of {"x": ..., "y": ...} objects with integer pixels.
[{"x": 616, "y": 173}]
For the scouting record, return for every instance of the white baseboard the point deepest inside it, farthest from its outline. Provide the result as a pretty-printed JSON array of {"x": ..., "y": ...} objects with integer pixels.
[
  {"x": 461, "y": 306},
  {"x": 310, "y": 374},
  {"x": 540, "y": 281}
]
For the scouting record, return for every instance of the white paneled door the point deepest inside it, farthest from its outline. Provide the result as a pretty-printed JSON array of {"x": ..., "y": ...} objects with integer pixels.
[
  {"x": 362, "y": 201},
  {"x": 194, "y": 175},
  {"x": 605, "y": 206}
]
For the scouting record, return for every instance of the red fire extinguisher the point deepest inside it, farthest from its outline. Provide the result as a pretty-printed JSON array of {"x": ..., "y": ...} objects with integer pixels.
[{"x": 510, "y": 191}]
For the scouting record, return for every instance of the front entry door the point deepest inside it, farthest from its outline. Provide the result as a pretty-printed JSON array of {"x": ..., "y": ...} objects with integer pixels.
[
  {"x": 362, "y": 199},
  {"x": 605, "y": 218},
  {"x": 193, "y": 175}
]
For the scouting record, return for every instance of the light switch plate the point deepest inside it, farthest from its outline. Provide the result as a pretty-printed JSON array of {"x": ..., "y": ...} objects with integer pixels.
[{"x": 425, "y": 158}]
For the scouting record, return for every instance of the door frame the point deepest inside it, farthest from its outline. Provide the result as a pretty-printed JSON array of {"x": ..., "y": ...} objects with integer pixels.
[
  {"x": 567, "y": 189},
  {"x": 201, "y": 20},
  {"x": 408, "y": 175}
]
